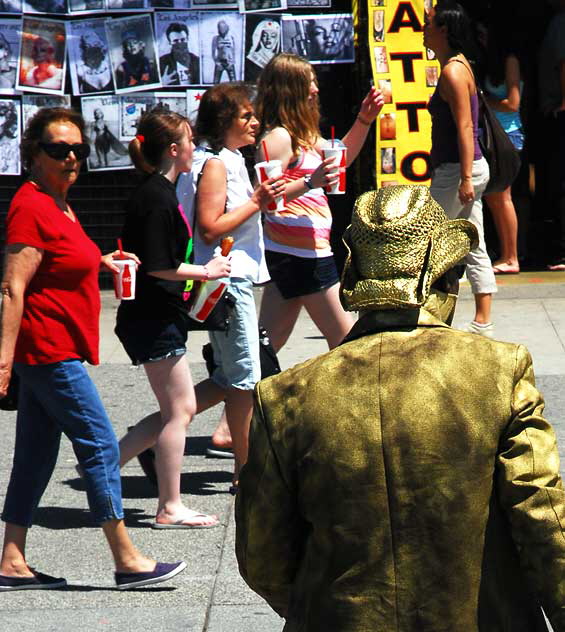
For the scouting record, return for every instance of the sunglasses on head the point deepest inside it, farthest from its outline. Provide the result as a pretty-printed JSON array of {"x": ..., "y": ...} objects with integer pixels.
[{"x": 59, "y": 151}]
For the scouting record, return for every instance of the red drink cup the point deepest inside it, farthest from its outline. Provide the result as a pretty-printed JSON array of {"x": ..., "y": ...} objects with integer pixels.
[
  {"x": 124, "y": 280},
  {"x": 271, "y": 169},
  {"x": 337, "y": 150}
]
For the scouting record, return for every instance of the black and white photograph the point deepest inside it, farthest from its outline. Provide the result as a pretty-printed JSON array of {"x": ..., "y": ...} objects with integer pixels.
[
  {"x": 262, "y": 42},
  {"x": 11, "y": 6},
  {"x": 126, "y": 5},
  {"x": 83, "y": 7},
  {"x": 31, "y": 103},
  {"x": 214, "y": 4},
  {"x": 172, "y": 101},
  {"x": 178, "y": 44},
  {"x": 57, "y": 7},
  {"x": 101, "y": 116},
  {"x": 130, "y": 110},
  {"x": 251, "y": 6},
  {"x": 10, "y": 32},
  {"x": 221, "y": 50},
  {"x": 133, "y": 53},
  {"x": 9, "y": 137},
  {"x": 193, "y": 96},
  {"x": 304, "y": 4},
  {"x": 321, "y": 39},
  {"x": 169, "y": 4},
  {"x": 90, "y": 66},
  {"x": 42, "y": 56}
]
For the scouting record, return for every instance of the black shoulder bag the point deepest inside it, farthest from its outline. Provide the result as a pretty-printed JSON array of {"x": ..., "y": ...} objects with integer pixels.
[{"x": 497, "y": 148}]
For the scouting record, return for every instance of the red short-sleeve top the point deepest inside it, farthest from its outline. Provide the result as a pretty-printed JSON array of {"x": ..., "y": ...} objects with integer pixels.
[{"x": 62, "y": 301}]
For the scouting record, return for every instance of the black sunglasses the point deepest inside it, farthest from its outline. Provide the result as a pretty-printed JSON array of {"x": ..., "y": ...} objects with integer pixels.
[{"x": 59, "y": 151}]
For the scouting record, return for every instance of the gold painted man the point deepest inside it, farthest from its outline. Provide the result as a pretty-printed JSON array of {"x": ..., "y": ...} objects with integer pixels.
[{"x": 405, "y": 481}]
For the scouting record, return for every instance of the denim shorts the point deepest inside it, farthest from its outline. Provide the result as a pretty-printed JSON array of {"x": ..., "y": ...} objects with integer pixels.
[
  {"x": 517, "y": 139},
  {"x": 299, "y": 276},
  {"x": 236, "y": 351},
  {"x": 151, "y": 340},
  {"x": 54, "y": 399}
]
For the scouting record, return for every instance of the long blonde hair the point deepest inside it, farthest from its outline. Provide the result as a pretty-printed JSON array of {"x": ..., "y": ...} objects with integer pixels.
[{"x": 283, "y": 92}]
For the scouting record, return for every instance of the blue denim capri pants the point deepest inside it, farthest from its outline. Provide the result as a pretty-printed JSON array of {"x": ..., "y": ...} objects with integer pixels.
[{"x": 56, "y": 398}]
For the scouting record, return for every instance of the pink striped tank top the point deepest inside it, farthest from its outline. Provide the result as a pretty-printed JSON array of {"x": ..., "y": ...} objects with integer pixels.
[{"x": 303, "y": 227}]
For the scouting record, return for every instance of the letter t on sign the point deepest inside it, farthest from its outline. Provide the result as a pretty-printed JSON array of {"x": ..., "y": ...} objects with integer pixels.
[
  {"x": 412, "y": 109},
  {"x": 407, "y": 60}
]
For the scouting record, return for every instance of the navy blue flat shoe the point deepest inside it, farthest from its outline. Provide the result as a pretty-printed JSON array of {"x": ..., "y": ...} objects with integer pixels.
[
  {"x": 39, "y": 582},
  {"x": 161, "y": 573}
]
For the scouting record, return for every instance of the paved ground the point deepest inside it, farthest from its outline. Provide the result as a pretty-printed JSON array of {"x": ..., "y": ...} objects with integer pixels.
[{"x": 209, "y": 596}]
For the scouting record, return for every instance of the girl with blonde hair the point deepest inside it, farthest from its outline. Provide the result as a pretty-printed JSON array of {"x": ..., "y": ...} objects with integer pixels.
[{"x": 297, "y": 239}]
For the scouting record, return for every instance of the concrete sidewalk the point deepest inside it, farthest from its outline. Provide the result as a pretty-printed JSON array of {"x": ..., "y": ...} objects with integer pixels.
[{"x": 209, "y": 596}]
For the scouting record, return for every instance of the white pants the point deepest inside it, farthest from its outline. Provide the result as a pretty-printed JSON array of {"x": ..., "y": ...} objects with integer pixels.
[{"x": 445, "y": 191}]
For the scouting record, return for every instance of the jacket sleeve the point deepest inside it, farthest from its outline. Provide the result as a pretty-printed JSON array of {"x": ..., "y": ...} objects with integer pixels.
[
  {"x": 531, "y": 492},
  {"x": 269, "y": 528}
]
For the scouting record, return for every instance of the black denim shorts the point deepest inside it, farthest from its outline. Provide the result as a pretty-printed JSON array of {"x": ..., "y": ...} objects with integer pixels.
[
  {"x": 299, "y": 276},
  {"x": 150, "y": 340}
]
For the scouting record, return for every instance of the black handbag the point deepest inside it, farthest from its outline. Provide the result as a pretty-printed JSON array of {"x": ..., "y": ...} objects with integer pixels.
[
  {"x": 218, "y": 319},
  {"x": 10, "y": 401},
  {"x": 497, "y": 148},
  {"x": 267, "y": 355}
]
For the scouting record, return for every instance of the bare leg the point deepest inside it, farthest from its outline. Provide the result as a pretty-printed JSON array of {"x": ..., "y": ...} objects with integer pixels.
[
  {"x": 126, "y": 557},
  {"x": 172, "y": 384},
  {"x": 222, "y": 436},
  {"x": 13, "y": 561},
  {"x": 239, "y": 407},
  {"x": 142, "y": 436},
  {"x": 325, "y": 309},
  {"x": 506, "y": 222},
  {"x": 278, "y": 315},
  {"x": 483, "y": 303}
]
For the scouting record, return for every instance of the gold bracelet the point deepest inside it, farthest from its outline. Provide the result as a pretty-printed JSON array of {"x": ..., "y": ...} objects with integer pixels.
[{"x": 363, "y": 121}]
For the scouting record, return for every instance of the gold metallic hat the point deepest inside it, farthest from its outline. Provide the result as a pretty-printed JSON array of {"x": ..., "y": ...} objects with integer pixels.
[{"x": 399, "y": 242}]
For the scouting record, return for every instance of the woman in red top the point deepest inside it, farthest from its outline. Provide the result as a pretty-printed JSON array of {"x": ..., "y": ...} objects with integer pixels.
[{"x": 48, "y": 328}]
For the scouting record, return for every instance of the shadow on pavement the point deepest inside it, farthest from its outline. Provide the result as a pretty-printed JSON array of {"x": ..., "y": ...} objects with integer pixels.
[{"x": 73, "y": 518}]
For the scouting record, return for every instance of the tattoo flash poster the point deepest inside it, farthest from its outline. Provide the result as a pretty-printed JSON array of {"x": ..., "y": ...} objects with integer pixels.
[
  {"x": 89, "y": 58},
  {"x": 101, "y": 116},
  {"x": 178, "y": 44},
  {"x": 133, "y": 53},
  {"x": 407, "y": 76},
  {"x": 42, "y": 56},
  {"x": 10, "y": 33},
  {"x": 9, "y": 137},
  {"x": 322, "y": 39},
  {"x": 221, "y": 50},
  {"x": 51, "y": 7}
]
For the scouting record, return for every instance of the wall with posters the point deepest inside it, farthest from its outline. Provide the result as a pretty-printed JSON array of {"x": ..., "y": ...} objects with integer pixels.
[
  {"x": 114, "y": 57},
  {"x": 407, "y": 73}
]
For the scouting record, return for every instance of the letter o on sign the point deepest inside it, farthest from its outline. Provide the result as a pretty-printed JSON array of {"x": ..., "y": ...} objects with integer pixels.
[{"x": 416, "y": 166}]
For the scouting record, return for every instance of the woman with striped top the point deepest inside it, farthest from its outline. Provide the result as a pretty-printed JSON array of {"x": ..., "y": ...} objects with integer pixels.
[{"x": 297, "y": 239}]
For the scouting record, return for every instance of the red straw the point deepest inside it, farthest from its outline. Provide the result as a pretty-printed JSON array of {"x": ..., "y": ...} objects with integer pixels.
[
  {"x": 333, "y": 136},
  {"x": 265, "y": 151},
  {"x": 120, "y": 248}
]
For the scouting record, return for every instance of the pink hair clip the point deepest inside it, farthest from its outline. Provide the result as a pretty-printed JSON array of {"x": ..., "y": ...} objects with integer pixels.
[{"x": 140, "y": 138}]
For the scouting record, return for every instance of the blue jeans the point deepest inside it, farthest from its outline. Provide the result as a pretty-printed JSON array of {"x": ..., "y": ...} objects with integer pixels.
[{"x": 56, "y": 398}]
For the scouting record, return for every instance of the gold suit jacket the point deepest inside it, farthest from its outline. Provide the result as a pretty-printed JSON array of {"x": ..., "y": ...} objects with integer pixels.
[{"x": 405, "y": 481}]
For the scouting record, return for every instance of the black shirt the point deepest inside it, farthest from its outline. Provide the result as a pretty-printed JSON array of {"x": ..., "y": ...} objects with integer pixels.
[{"x": 157, "y": 233}]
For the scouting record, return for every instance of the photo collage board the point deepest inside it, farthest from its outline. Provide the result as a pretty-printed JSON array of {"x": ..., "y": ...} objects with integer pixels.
[
  {"x": 407, "y": 73},
  {"x": 123, "y": 57}
]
